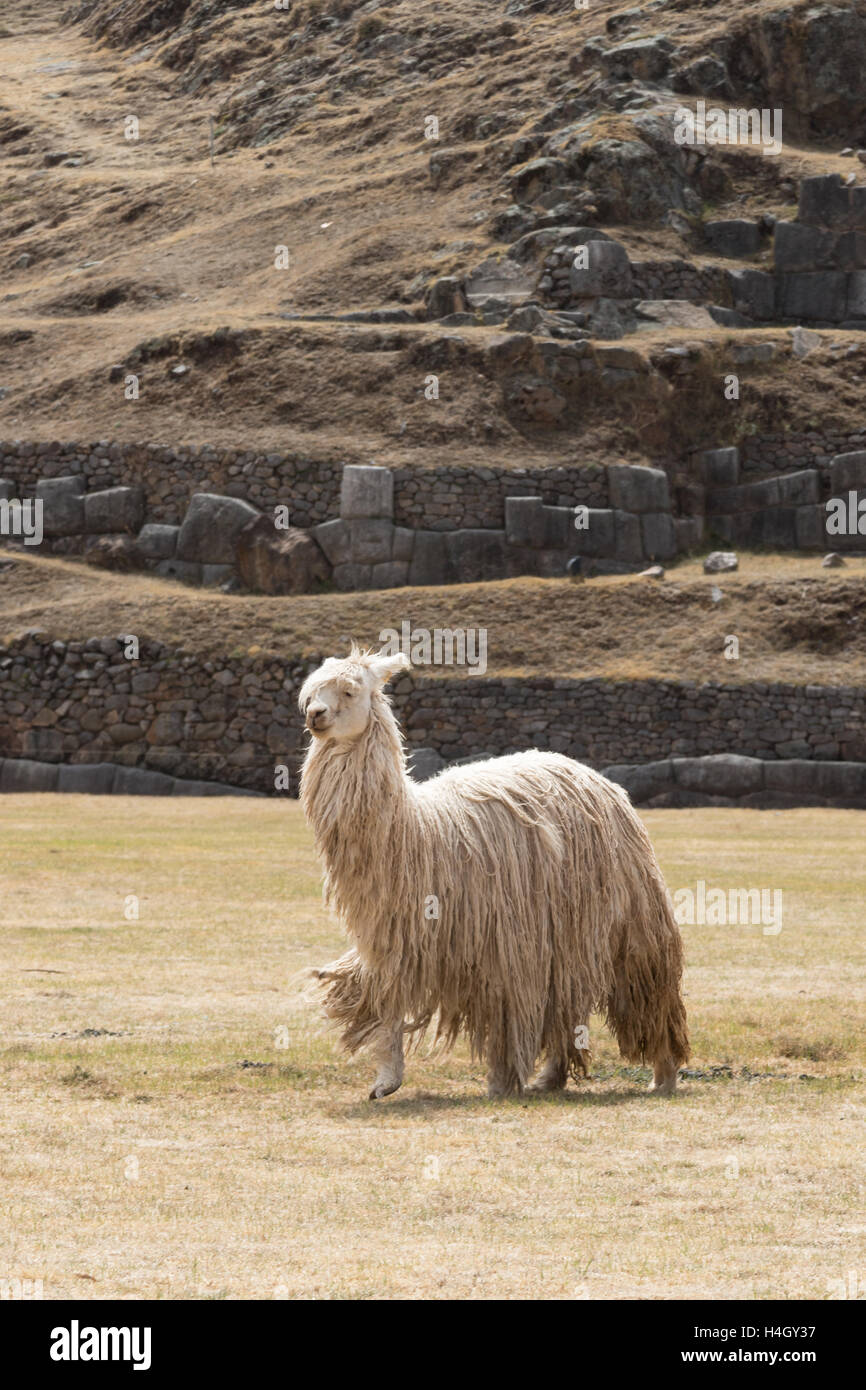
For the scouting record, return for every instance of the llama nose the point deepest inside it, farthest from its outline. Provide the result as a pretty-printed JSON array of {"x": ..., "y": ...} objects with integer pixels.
[{"x": 314, "y": 718}]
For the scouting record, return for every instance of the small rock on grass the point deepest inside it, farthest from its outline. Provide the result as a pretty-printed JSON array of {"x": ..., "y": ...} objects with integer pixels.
[
  {"x": 719, "y": 561},
  {"x": 654, "y": 572},
  {"x": 832, "y": 561}
]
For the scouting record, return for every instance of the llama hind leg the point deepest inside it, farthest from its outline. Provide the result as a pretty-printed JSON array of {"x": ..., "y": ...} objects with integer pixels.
[
  {"x": 553, "y": 1075},
  {"x": 388, "y": 1052}
]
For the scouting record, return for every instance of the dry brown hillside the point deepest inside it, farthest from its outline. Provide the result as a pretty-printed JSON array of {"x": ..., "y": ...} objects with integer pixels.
[{"x": 138, "y": 255}]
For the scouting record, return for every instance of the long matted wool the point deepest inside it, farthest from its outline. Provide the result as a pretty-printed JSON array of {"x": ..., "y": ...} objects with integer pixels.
[{"x": 550, "y": 902}]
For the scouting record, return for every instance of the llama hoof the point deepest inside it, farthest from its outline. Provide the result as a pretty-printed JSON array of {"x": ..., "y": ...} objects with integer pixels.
[
  {"x": 664, "y": 1084},
  {"x": 383, "y": 1088},
  {"x": 543, "y": 1087}
]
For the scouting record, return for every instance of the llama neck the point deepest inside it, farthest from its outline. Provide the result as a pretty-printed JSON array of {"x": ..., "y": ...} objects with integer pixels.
[{"x": 356, "y": 797}]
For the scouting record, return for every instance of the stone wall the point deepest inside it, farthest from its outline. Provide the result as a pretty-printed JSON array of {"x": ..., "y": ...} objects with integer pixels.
[
  {"x": 438, "y": 499},
  {"x": 235, "y": 719}
]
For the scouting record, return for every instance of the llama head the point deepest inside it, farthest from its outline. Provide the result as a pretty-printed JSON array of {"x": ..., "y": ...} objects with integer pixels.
[{"x": 338, "y": 699}]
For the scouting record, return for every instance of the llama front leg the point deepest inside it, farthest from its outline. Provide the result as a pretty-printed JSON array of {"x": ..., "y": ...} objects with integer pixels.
[
  {"x": 387, "y": 1049},
  {"x": 664, "y": 1081}
]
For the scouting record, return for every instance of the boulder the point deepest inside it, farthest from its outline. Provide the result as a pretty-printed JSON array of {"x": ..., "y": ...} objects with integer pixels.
[
  {"x": 62, "y": 506},
  {"x": 720, "y": 561},
  {"x": 366, "y": 491},
  {"x": 116, "y": 509},
  {"x": 211, "y": 528},
  {"x": 279, "y": 561},
  {"x": 647, "y": 60}
]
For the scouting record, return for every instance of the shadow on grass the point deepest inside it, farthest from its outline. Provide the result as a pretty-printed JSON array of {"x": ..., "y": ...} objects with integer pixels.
[{"x": 427, "y": 1103}]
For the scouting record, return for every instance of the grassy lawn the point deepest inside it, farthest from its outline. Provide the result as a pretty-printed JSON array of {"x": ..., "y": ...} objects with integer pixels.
[{"x": 175, "y": 1122}]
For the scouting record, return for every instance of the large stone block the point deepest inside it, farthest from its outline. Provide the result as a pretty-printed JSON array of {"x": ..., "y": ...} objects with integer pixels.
[
  {"x": 366, "y": 491},
  {"x": 855, "y": 304},
  {"x": 601, "y": 268},
  {"x": 391, "y": 574},
  {"x": 598, "y": 537},
  {"x": 642, "y": 781},
  {"x": 431, "y": 562},
  {"x": 634, "y": 489},
  {"x": 825, "y": 201},
  {"x": 558, "y": 527},
  {"x": 62, "y": 506},
  {"x": 799, "y": 247},
  {"x": 116, "y": 509},
  {"x": 403, "y": 545},
  {"x": 689, "y": 533},
  {"x": 629, "y": 545},
  {"x": 798, "y": 489},
  {"x": 371, "y": 541},
  {"x": 813, "y": 295},
  {"x": 524, "y": 521},
  {"x": 719, "y": 774},
  {"x": 334, "y": 537},
  {"x": 351, "y": 576},
  {"x": 719, "y": 467},
  {"x": 659, "y": 535},
  {"x": 140, "y": 781},
  {"x": 476, "y": 555},
  {"x": 211, "y": 528},
  {"x": 24, "y": 775},
  {"x": 90, "y": 779},
  {"x": 810, "y": 528},
  {"x": 848, "y": 471},
  {"x": 733, "y": 236},
  {"x": 158, "y": 541},
  {"x": 754, "y": 293},
  {"x": 794, "y": 776},
  {"x": 779, "y": 527}
]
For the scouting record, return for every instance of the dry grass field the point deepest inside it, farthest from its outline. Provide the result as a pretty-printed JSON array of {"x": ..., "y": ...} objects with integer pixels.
[{"x": 177, "y": 1124}]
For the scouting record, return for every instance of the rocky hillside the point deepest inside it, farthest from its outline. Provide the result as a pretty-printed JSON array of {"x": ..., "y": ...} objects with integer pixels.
[{"x": 428, "y": 170}]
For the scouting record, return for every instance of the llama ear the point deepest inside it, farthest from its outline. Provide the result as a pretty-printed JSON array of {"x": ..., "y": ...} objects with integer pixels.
[{"x": 386, "y": 665}]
